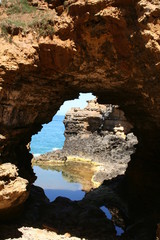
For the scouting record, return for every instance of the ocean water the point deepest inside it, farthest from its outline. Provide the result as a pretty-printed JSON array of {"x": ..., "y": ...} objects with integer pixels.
[{"x": 50, "y": 138}]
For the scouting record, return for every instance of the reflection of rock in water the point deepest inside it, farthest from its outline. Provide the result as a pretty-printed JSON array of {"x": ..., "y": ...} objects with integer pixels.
[
  {"x": 81, "y": 173},
  {"x": 75, "y": 172}
]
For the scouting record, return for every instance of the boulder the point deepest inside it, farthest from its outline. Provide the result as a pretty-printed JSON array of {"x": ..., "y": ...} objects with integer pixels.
[{"x": 13, "y": 189}]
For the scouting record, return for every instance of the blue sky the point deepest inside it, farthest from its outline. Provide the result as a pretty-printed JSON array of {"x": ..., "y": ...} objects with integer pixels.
[{"x": 80, "y": 102}]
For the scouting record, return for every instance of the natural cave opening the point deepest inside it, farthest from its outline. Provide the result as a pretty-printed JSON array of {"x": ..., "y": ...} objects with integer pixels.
[
  {"x": 97, "y": 137},
  {"x": 98, "y": 134},
  {"x": 128, "y": 193},
  {"x": 110, "y": 48}
]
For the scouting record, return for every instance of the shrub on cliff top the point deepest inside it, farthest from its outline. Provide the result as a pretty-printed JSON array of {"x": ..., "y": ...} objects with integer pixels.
[
  {"x": 41, "y": 24},
  {"x": 23, "y": 18},
  {"x": 17, "y": 6}
]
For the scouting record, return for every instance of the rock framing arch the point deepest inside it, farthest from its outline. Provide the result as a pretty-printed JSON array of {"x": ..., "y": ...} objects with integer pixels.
[{"x": 109, "y": 48}]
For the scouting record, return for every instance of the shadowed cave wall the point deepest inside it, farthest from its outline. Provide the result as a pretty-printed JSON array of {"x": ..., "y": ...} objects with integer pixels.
[{"x": 109, "y": 48}]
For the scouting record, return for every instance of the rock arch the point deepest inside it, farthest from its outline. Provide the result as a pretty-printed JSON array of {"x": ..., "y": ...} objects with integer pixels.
[{"x": 109, "y": 48}]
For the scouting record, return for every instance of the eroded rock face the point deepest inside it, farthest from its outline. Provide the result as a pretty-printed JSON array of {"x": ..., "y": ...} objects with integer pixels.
[
  {"x": 102, "y": 134},
  {"x": 98, "y": 122},
  {"x": 13, "y": 189},
  {"x": 110, "y": 48}
]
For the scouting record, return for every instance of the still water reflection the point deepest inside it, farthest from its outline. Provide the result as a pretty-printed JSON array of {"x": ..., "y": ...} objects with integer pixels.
[{"x": 55, "y": 185}]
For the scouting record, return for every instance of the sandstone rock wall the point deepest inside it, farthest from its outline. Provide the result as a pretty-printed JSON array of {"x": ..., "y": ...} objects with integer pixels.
[{"x": 110, "y": 48}]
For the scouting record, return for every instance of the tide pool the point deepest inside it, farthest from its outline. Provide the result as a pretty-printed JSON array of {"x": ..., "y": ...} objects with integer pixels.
[{"x": 55, "y": 185}]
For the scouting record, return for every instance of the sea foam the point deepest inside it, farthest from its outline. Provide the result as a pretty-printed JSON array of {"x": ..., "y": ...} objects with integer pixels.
[
  {"x": 36, "y": 154},
  {"x": 54, "y": 149}
]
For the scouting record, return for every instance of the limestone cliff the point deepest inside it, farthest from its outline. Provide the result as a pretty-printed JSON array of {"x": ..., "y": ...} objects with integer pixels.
[
  {"x": 110, "y": 48},
  {"x": 102, "y": 134},
  {"x": 96, "y": 132}
]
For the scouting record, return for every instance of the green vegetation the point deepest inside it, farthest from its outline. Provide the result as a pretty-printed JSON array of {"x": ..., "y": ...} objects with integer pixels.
[
  {"x": 11, "y": 27},
  {"x": 24, "y": 18},
  {"x": 17, "y": 6},
  {"x": 43, "y": 25}
]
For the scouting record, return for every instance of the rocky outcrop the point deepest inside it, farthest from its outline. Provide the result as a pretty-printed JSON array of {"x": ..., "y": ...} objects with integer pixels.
[
  {"x": 98, "y": 133},
  {"x": 102, "y": 134},
  {"x": 109, "y": 48},
  {"x": 13, "y": 189}
]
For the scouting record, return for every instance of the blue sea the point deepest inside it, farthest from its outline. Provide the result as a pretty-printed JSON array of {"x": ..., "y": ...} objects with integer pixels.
[{"x": 50, "y": 138}]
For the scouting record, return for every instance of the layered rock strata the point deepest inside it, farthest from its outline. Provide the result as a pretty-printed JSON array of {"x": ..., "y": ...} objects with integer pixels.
[
  {"x": 110, "y": 48},
  {"x": 102, "y": 134}
]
